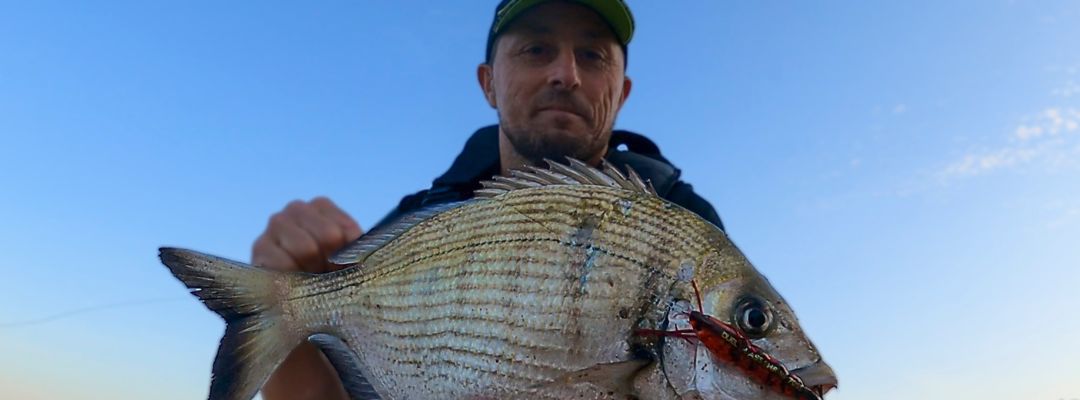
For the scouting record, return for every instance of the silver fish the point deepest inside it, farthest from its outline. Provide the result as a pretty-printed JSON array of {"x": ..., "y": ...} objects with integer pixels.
[{"x": 551, "y": 283}]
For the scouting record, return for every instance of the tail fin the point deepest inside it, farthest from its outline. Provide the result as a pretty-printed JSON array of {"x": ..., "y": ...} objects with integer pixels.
[{"x": 256, "y": 339}]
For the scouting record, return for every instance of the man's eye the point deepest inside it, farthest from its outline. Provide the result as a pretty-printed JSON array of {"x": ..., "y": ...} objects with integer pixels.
[
  {"x": 592, "y": 55},
  {"x": 534, "y": 50}
]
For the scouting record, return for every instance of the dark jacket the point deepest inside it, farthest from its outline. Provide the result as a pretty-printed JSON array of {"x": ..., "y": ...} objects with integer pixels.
[{"x": 479, "y": 160}]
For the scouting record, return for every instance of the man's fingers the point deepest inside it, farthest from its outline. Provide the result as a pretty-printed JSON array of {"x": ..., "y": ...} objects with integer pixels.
[
  {"x": 268, "y": 254},
  {"x": 326, "y": 232},
  {"x": 329, "y": 235},
  {"x": 328, "y": 209},
  {"x": 300, "y": 245},
  {"x": 303, "y": 235},
  {"x": 345, "y": 227}
]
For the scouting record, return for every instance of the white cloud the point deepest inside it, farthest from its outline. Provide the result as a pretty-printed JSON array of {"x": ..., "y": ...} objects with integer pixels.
[
  {"x": 1069, "y": 89},
  {"x": 973, "y": 164},
  {"x": 1049, "y": 136},
  {"x": 899, "y": 109},
  {"x": 1051, "y": 121},
  {"x": 1024, "y": 132}
]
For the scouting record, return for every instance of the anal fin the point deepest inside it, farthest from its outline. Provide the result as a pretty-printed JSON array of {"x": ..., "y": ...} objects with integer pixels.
[{"x": 348, "y": 366}]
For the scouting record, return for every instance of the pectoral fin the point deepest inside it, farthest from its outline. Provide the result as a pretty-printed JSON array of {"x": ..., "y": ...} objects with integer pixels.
[
  {"x": 602, "y": 381},
  {"x": 652, "y": 383}
]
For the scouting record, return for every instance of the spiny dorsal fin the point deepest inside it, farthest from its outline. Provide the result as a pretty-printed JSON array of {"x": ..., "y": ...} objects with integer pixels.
[
  {"x": 576, "y": 173},
  {"x": 598, "y": 177},
  {"x": 636, "y": 179},
  {"x": 528, "y": 177},
  {"x": 552, "y": 176}
]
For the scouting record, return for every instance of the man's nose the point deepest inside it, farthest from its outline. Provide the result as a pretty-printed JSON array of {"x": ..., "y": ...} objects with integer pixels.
[{"x": 563, "y": 72}]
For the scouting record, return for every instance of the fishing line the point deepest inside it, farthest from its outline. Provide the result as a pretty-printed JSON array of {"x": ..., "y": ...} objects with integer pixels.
[{"x": 84, "y": 310}]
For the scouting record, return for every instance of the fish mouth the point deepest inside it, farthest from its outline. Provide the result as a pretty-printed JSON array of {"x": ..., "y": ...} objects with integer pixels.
[
  {"x": 730, "y": 346},
  {"x": 819, "y": 377}
]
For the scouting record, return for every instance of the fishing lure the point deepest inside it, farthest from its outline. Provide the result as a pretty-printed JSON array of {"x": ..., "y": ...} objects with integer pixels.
[{"x": 728, "y": 344}]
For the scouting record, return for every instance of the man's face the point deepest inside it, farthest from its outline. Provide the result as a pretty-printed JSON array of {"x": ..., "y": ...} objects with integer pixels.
[{"x": 557, "y": 82}]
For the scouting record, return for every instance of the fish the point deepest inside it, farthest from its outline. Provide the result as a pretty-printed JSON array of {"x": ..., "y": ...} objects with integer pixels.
[{"x": 569, "y": 281}]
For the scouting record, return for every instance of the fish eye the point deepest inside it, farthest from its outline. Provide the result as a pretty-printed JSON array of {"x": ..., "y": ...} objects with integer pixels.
[{"x": 753, "y": 318}]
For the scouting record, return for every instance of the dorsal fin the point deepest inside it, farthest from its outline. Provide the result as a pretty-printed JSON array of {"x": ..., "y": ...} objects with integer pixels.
[
  {"x": 576, "y": 173},
  {"x": 358, "y": 250},
  {"x": 636, "y": 179},
  {"x": 598, "y": 177}
]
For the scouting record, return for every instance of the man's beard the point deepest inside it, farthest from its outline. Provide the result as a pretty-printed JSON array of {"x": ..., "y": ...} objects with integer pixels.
[{"x": 535, "y": 145}]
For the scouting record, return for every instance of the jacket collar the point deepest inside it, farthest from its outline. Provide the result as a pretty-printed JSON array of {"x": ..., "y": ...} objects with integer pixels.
[{"x": 479, "y": 160}]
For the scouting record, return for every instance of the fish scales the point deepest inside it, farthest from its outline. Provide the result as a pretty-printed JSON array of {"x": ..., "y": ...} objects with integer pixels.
[
  {"x": 508, "y": 222},
  {"x": 501, "y": 296},
  {"x": 479, "y": 264},
  {"x": 478, "y": 300}
]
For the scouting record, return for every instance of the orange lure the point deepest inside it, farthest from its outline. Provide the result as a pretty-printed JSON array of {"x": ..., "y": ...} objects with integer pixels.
[{"x": 729, "y": 345}]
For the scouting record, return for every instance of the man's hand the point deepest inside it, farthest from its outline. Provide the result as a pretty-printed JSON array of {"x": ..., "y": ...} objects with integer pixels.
[
  {"x": 303, "y": 235},
  {"x": 301, "y": 238}
]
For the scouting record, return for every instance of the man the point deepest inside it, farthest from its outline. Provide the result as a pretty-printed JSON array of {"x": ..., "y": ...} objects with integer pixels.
[{"x": 555, "y": 72}]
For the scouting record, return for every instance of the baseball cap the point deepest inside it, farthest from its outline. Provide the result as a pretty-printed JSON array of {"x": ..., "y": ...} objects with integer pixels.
[{"x": 614, "y": 12}]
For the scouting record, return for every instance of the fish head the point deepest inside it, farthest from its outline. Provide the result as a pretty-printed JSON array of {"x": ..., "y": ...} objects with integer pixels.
[{"x": 739, "y": 340}]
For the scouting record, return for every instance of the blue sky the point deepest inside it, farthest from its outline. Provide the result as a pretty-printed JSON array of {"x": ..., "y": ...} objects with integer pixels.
[{"x": 907, "y": 175}]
